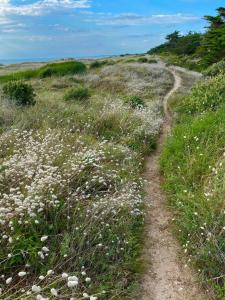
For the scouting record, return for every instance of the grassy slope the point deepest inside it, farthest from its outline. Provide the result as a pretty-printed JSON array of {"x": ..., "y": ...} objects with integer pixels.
[
  {"x": 70, "y": 171},
  {"x": 193, "y": 163},
  {"x": 60, "y": 69}
]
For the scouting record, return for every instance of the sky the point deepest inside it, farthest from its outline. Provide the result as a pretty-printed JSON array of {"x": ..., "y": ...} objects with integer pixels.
[{"x": 35, "y": 29}]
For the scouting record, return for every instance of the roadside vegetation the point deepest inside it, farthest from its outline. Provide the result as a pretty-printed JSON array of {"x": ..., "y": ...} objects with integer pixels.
[
  {"x": 193, "y": 163},
  {"x": 71, "y": 201}
]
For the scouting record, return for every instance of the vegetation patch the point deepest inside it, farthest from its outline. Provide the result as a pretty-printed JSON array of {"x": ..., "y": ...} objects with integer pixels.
[
  {"x": 194, "y": 179},
  {"x": 55, "y": 69},
  {"x": 207, "y": 95},
  {"x": 71, "y": 202},
  {"x": 215, "y": 69},
  {"x": 19, "y": 92},
  {"x": 79, "y": 94},
  {"x": 135, "y": 102}
]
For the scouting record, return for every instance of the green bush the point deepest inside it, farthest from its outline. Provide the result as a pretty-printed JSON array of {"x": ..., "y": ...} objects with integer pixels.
[
  {"x": 216, "y": 69},
  {"x": 152, "y": 61},
  {"x": 62, "y": 69},
  {"x": 143, "y": 60},
  {"x": 135, "y": 102},
  {"x": 20, "y": 93},
  {"x": 79, "y": 93},
  {"x": 97, "y": 64},
  {"x": 206, "y": 95}
]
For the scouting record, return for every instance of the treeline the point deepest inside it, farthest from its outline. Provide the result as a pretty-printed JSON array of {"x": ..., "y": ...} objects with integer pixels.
[{"x": 209, "y": 47}]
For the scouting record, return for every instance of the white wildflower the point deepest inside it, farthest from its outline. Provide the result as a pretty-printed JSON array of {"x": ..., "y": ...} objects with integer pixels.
[
  {"x": 22, "y": 274},
  {"x": 8, "y": 280},
  {"x": 36, "y": 288},
  {"x": 44, "y": 238},
  {"x": 54, "y": 292}
]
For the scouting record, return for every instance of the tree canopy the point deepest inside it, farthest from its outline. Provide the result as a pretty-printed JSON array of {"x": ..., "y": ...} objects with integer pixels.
[{"x": 209, "y": 47}]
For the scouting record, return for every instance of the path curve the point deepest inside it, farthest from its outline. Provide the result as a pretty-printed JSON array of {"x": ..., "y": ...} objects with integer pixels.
[{"x": 165, "y": 276}]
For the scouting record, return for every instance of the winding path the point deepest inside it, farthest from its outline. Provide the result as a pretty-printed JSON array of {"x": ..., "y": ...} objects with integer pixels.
[{"x": 165, "y": 276}]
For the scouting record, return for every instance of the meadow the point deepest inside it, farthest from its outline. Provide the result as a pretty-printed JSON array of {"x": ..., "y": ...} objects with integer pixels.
[
  {"x": 71, "y": 165},
  {"x": 193, "y": 163}
]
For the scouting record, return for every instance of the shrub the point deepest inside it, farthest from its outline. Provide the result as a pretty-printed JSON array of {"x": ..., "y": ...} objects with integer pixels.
[
  {"x": 215, "y": 69},
  {"x": 80, "y": 93},
  {"x": 143, "y": 60},
  {"x": 61, "y": 69},
  {"x": 135, "y": 102},
  {"x": 97, "y": 64},
  {"x": 152, "y": 61},
  {"x": 206, "y": 95},
  {"x": 19, "y": 92}
]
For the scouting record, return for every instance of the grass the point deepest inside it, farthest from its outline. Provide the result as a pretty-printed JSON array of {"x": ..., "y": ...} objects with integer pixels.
[
  {"x": 71, "y": 188},
  {"x": 56, "y": 69},
  {"x": 194, "y": 179}
]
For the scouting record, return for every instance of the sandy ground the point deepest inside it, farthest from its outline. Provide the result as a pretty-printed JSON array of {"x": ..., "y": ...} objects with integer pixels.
[{"x": 165, "y": 277}]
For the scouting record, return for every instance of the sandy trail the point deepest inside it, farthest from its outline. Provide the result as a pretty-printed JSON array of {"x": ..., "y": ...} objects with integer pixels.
[{"x": 165, "y": 276}]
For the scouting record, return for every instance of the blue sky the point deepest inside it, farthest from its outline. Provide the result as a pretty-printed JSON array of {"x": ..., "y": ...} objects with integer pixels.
[{"x": 74, "y": 28}]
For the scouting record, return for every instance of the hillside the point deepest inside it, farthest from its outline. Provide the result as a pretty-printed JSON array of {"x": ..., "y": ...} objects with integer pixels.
[
  {"x": 194, "y": 177},
  {"x": 71, "y": 202},
  {"x": 82, "y": 208}
]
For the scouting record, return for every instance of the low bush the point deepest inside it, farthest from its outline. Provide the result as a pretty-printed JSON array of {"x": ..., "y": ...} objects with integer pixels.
[
  {"x": 62, "y": 69},
  {"x": 206, "y": 95},
  {"x": 78, "y": 93},
  {"x": 142, "y": 60},
  {"x": 215, "y": 69},
  {"x": 135, "y": 102},
  {"x": 152, "y": 61},
  {"x": 98, "y": 64},
  {"x": 19, "y": 92}
]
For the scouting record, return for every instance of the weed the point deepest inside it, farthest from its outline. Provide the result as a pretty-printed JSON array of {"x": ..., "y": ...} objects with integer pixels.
[
  {"x": 19, "y": 92},
  {"x": 79, "y": 93}
]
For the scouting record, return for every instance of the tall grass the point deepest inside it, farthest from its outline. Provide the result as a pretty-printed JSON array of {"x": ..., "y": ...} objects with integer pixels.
[
  {"x": 57, "y": 69},
  {"x": 193, "y": 164},
  {"x": 71, "y": 202}
]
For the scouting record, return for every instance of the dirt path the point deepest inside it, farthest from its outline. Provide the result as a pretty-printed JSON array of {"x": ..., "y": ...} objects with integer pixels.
[{"x": 166, "y": 277}]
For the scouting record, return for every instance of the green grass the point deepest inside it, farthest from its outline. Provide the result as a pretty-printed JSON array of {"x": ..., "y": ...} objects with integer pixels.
[
  {"x": 55, "y": 69},
  {"x": 193, "y": 163},
  {"x": 78, "y": 170}
]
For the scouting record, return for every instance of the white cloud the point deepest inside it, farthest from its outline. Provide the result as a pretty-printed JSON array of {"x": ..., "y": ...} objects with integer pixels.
[
  {"x": 130, "y": 19},
  {"x": 40, "y": 7}
]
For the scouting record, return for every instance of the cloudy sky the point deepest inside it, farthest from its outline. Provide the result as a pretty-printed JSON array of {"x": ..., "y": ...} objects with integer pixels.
[{"x": 82, "y": 28}]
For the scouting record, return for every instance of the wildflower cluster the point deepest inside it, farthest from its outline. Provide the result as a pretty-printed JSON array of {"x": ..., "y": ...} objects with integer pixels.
[
  {"x": 71, "y": 193},
  {"x": 61, "y": 206}
]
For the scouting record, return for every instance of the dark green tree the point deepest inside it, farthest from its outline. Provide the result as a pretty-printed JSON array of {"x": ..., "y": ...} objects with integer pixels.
[{"x": 213, "y": 45}]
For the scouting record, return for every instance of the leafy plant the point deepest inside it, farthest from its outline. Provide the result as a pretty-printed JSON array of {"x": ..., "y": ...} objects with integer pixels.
[
  {"x": 135, "y": 102},
  {"x": 143, "y": 60},
  {"x": 215, "y": 69},
  {"x": 205, "y": 96},
  {"x": 19, "y": 92},
  {"x": 61, "y": 69},
  {"x": 97, "y": 64},
  {"x": 79, "y": 93}
]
